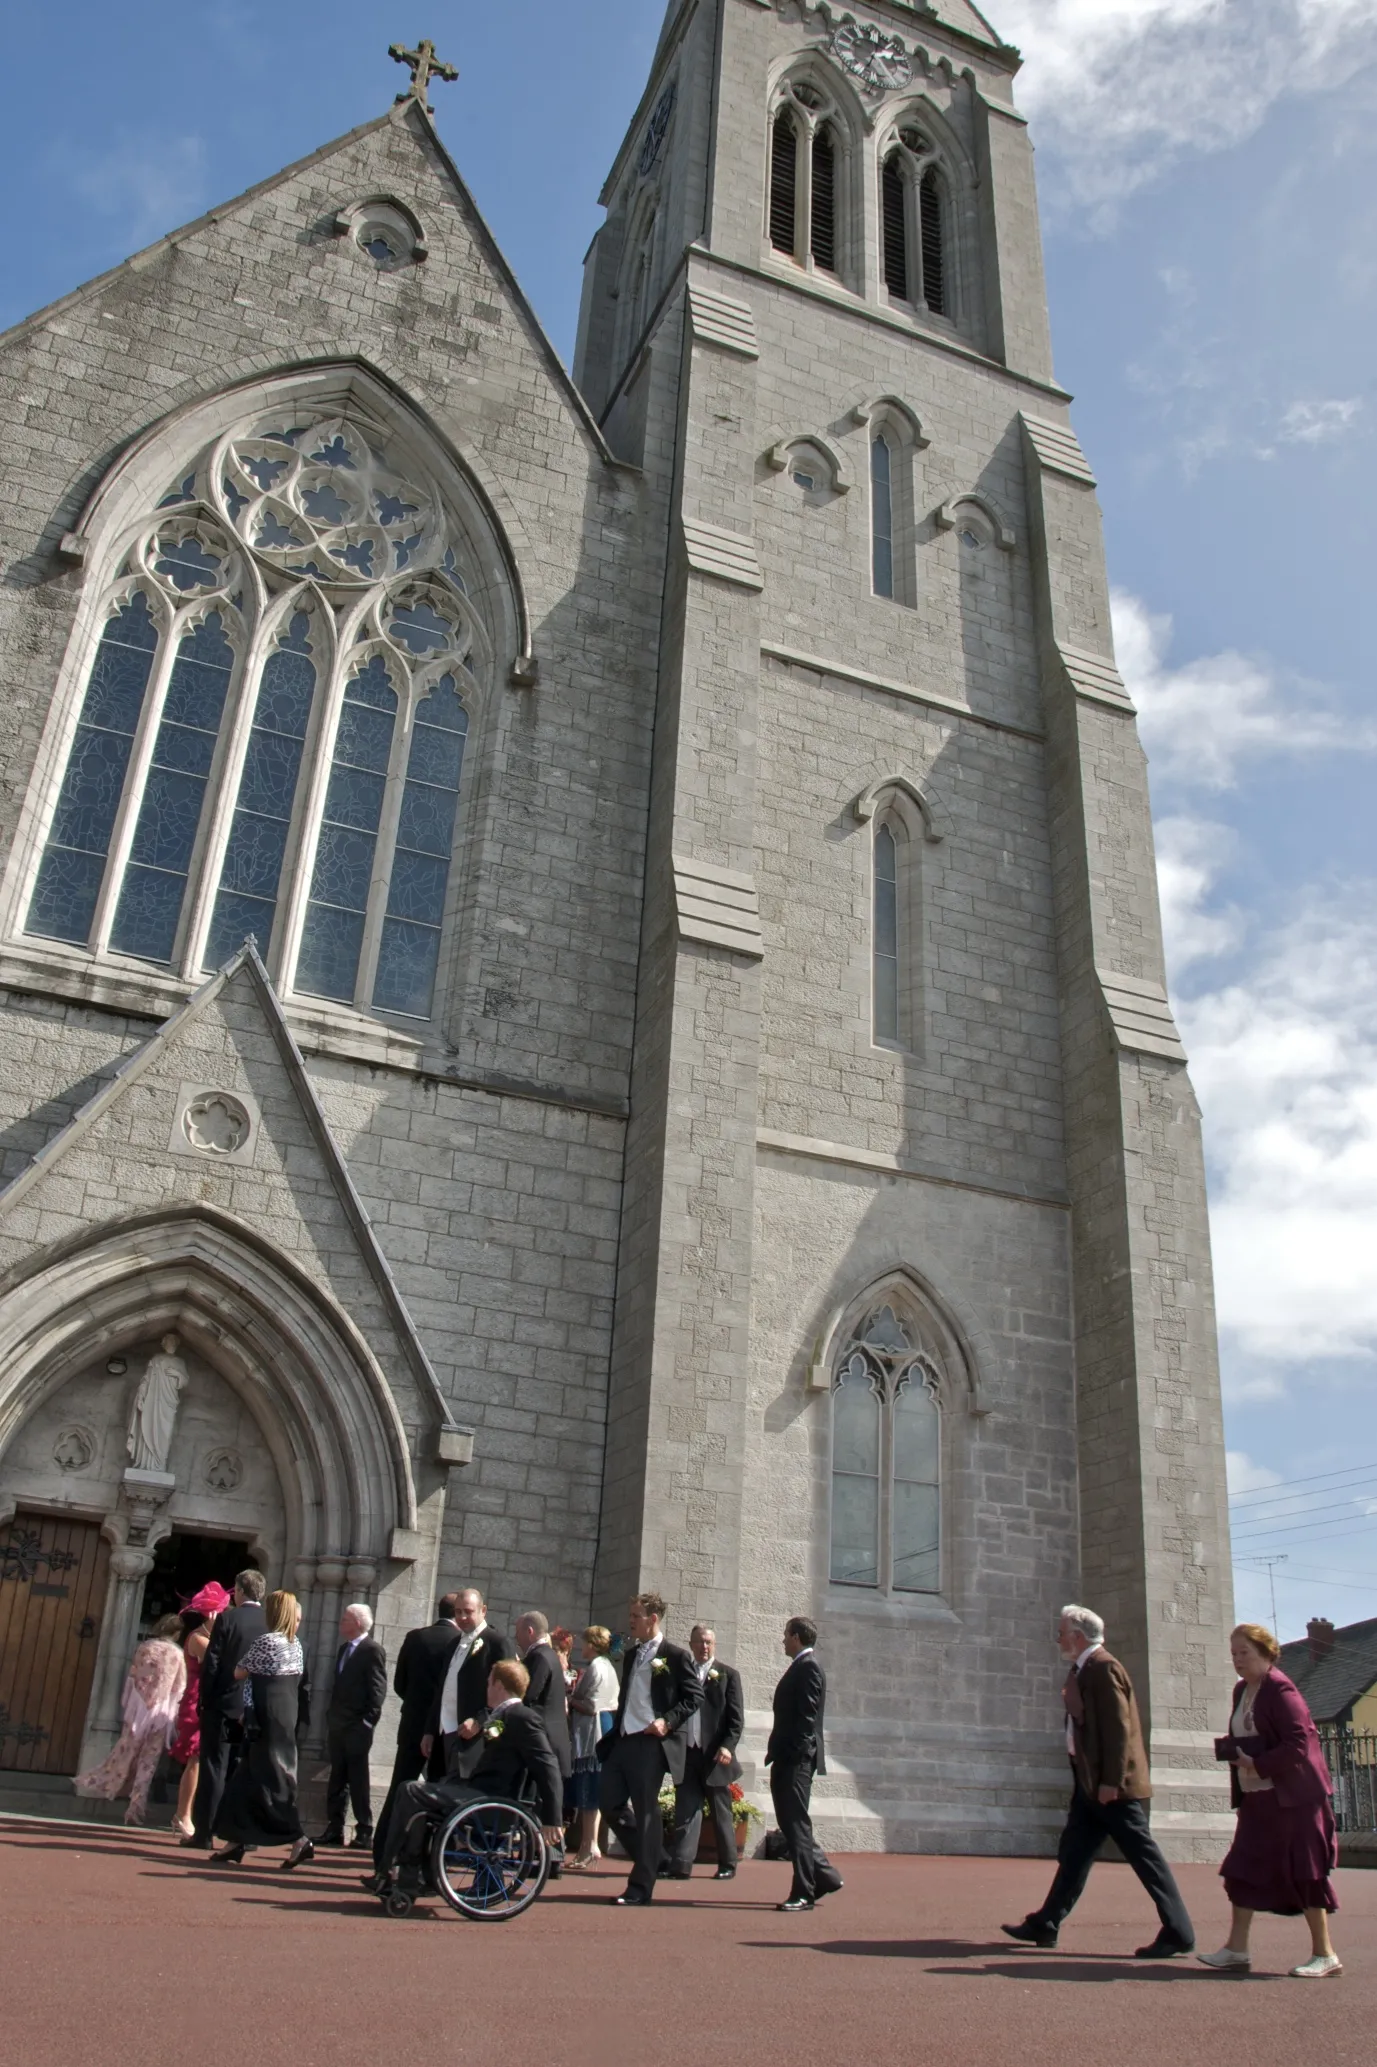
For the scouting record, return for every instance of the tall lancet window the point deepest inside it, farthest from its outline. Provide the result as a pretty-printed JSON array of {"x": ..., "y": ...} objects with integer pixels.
[
  {"x": 913, "y": 225},
  {"x": 277, "y": 686},
  {"x": 881, "y": 515},
  {"x": 886, "y": 1532},
  {"x": 885, "y": 938},
  {"x": 806, "y": 179}
]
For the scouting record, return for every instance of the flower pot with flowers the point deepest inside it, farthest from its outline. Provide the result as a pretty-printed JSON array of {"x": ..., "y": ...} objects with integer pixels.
[{"x": 744, "y": 1813}]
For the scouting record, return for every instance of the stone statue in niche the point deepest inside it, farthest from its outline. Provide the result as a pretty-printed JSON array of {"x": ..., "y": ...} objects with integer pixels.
[{"x": 154, "y": 1412}]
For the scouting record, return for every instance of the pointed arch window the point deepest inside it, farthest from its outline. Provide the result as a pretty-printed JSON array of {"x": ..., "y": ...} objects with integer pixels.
[
  {"x": 806, "y": 170},
  {"x": 271, "y": 735},
  {"x": 885, "y": 938},
  {"x": 882, "y": 515},
  {"x": 886, "y": 1506},
  {"x": 914, "y": 240}
]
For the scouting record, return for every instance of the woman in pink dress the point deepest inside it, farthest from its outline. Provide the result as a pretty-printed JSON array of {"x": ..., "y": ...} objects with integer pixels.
[
  {"x": 152, "y": 1696},
  {"x": 198, "y": 1619},
  {"x": 1284, "y": 1847}
]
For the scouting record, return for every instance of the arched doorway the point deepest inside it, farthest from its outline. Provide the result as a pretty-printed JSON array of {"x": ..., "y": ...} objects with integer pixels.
[{"x": 173, "y": 1393}]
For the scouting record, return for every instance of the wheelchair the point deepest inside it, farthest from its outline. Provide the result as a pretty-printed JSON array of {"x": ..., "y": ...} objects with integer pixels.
[{"x": 488, "y": 1860}]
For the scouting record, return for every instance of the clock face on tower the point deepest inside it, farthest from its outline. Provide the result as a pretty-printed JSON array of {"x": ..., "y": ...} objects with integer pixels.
[{"x": 879, "y": 61}]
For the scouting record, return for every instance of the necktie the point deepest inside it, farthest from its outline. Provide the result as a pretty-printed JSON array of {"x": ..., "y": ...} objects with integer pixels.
[{"x": 1071, "y": 1694}]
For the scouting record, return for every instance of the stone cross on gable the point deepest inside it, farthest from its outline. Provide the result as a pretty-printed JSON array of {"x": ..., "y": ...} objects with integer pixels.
[{"x": 425, "y": 66}]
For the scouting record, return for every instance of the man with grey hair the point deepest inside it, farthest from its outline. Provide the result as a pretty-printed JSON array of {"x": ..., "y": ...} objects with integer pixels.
[
  {"x": 357, "y": 1693},
  {"x": 1109, "y": 1793}
]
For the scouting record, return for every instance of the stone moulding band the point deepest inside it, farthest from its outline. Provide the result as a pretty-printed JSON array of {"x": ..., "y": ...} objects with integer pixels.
[
  {"x": 808, "y": 1149},
  {"x": 816, "y": 664}
]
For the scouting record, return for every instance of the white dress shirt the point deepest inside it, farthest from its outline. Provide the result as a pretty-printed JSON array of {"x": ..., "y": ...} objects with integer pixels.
[
  {"x": 639, "y": 1712},
  {"x": 450, "y": 1717},
  {"x": 693, "y": 1730}
]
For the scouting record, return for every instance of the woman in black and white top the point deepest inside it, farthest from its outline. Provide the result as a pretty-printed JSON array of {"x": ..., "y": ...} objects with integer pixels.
[{"x": 259, "y": 1804}]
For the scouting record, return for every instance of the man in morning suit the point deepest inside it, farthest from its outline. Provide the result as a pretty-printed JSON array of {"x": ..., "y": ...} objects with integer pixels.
[
  {"x": 512, "y": 1747},
  {"x": 462, "y": 1694},
  {"x": 221, "y": 1700},
  {"x": 660, "y": 1691},
  {"x": 421, "y": 1663},
  {"x": 547, "y": 1692},
  {"x": 710, "y": 1762},
  {"x": 1109, "y": 1794},
  {"x": 794, "y": 1753},
  {"x": 357, "y": 1693}
]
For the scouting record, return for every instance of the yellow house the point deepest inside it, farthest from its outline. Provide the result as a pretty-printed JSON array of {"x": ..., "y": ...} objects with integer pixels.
[{"x": 1336, "y": 1670}]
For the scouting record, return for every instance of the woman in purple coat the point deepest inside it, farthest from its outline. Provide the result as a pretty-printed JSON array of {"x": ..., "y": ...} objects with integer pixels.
[{"x": 1284, "y": 1847}]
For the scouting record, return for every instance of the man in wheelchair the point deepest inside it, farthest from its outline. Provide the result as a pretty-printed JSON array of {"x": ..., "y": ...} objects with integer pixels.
[{"x": 515, "y": 1756}]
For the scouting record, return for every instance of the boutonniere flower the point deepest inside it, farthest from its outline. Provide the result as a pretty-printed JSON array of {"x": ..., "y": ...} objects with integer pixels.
[
  {"x": 494, "y": 1731},
  {"x": 475, "y": 1647},
  {"x": 659, "y": 1665},
  {"x": 714, "y": 1673}
]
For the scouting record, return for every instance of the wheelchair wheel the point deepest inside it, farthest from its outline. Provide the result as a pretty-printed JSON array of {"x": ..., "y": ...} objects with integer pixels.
[
  {"x": 489, "y": 1861},
  {"x": 395, "y": 1903}
]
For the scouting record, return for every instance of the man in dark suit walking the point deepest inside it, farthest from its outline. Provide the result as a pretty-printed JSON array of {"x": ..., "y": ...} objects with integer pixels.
[
  {"x": 1109, "y": 1794},
  {"x": 512, "y": 1747},
  {"x": 222, "y": 1700},
  {"x": 710, "y": 1761},
  {"x": 660, "y": 1691},
  {"x": 418, "y": 1677},
  {"x": 794, "y": 1754},
  {"x": 547, "y": 1692},
  {"x": 461, "y": 1697},
  {"x": 357, "y": 1693}
]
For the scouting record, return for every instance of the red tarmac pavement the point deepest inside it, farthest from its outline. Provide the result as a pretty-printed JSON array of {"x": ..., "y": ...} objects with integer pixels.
[{"x": 114, "y": 1950}]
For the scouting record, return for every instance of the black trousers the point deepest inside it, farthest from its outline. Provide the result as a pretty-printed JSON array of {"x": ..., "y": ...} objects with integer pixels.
[
  {"x": 1088, "y": 1824},
  {"x": 409, "y": 1764},
  {"x": 690, "y": 1796},
  {"x": 221, "y": 1744},
  {"x": 348, "y": 1747},
  {"x": 410, "y": 1822},
  {"x": 791, "y": 1792},
  {"x": 629, "y": 1796}
]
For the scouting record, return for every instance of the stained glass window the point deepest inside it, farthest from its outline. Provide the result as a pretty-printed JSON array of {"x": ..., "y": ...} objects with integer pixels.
[
  {"x": 410, "y": 947},
  {"x": 174, "y": 794},
  {"x": 251, "y": 874},
  {"x": 886, "y": 1460},
  {"x": 63, "y": 905},
  {"x": 332, "y": 938}
]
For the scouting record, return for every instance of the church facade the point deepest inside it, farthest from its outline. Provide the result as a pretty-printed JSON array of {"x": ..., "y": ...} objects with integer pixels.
[{"x": 581, "y": 989}]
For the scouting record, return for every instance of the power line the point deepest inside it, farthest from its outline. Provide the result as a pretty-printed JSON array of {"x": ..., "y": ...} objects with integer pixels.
[
  {"x": 1301, "y": 1503},
  {"x": 1284, "y": 1484},
  {"x": 1344, "y": 1535}
]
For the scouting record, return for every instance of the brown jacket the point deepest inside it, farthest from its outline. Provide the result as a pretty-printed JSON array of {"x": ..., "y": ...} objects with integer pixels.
[{"x": 1109, "y": 1740}]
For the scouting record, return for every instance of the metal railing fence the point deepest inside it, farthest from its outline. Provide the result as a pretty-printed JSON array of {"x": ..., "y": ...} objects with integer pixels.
[{"x": 1352, "y": 1756}]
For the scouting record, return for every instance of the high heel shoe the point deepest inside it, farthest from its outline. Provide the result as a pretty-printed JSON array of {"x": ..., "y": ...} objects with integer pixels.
[
  {"x": 233, "y": 1857},
  {"x": 301, "y": 1854}
]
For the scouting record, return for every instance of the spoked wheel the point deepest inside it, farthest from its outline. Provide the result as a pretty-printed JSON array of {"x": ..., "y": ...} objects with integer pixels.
[
  {"x": 489, "y": 1861},
  {"x": 395, "y": 1903}
]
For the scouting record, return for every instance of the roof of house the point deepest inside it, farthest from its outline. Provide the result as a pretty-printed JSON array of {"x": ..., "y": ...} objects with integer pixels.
[{"x": 1332, "y": 1684}]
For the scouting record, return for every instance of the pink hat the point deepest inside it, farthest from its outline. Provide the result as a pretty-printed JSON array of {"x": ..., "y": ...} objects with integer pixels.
[{"x": 211, "y": 1600}]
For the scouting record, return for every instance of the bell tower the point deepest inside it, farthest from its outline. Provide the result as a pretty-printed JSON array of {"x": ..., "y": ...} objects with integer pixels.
[{"x": 915, "y": 1328}]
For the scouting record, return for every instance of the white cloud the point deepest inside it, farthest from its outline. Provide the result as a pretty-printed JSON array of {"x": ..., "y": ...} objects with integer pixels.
[
  {"x": 1200, "y": 720},
  {"x": 1119, "y": 88},
  {"x": 1285, "y": 1062},
  {"x": 1246, "y": 1477},
  {"x": 1316, "y": 423},
  {"x": 1190, "y": 853},
  {"x": 147, "y": 184}
]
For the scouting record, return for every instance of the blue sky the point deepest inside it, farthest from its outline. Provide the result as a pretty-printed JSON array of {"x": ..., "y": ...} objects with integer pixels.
[{"x": 1210, "y": 214}]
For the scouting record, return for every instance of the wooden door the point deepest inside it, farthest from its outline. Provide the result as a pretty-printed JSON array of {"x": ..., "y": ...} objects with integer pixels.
[{"x": 52, "y": 1596}]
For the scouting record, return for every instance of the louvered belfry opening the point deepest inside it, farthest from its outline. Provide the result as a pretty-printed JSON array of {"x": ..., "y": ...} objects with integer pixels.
[
  {"x": 824, "y": 213},
  {"x": 930, "y": 228},
  {"x": 784, "y": 183},
  {"x": 892, "y": 226}
]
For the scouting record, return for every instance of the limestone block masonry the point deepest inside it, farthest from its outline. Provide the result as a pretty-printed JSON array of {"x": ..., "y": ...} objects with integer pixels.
[{"x": 700, "y": 1106}]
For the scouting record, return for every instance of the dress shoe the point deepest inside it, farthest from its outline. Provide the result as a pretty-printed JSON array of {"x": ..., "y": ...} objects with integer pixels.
[
  {"x": 301, "y": 1854},
  {"x": 194, "y": 1844},
  {"x": 373, "y": 1883},
  {"x": 793, "y": 1905},
  {"x": 331, "y": 1838},
  {"x": 1164, "y": 1947},
  {"x": 361, "y": 1841},
  {"x": 1032, "y": 1931},
  {"x": 631, "y": 1901},
  {"x": 233, "y": 1857},
  {"x": 1318, "y": 1968},
  {"x": 1226, "y": 1961},
  {"x": 679, "y": 1873},
  {"x": 725, "y": 1873}
]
